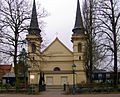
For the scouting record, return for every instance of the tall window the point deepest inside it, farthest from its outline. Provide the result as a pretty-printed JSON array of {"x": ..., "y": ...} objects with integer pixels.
[
  {"x": 80, "y": 58},
  {"x": 79, "y": 47},
  {"x": 33, "y": 48}
]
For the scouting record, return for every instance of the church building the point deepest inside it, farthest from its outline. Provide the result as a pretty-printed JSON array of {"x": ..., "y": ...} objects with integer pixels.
[{"x": 57, "y": 63}]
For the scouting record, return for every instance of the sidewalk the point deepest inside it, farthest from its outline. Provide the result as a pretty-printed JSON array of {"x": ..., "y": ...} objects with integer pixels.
[
  {"x": 58, "y": 93},
  {"x": 51, "y": 95}
]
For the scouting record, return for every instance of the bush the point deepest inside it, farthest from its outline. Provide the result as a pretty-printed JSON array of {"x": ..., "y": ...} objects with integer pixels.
[
  {"x": 7, "y": 86},
  {"x": 97, "y": 88}
]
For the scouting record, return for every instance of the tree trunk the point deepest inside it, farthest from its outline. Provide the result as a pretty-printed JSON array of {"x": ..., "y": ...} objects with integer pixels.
[
  {"x": 115, "y": 66},
  {"x": 115, "y": 45},
  {"x": 15, "y": 60},
  {"x": 90, "y": 42}
]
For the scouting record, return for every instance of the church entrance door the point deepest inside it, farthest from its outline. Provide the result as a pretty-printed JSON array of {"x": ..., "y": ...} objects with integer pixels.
[
  {"x": 49, "y": 80},
  {"x": 64, "y": 80}
]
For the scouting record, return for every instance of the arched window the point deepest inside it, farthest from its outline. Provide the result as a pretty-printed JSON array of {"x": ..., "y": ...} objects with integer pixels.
[
  {"x": 56, "y": 69},
  {"x": 79, "y": 47},
  {"x": 33, "y": 48}
]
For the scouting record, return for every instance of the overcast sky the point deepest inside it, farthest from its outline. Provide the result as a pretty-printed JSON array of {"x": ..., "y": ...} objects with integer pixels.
[{"x": 61, "y": 20}]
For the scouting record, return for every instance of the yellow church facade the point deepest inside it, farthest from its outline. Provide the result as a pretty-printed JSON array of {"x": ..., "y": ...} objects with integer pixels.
[{"x": 56, "y": 61}]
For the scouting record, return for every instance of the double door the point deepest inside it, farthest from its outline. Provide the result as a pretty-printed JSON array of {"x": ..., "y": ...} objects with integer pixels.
[{"x": 52, "y": 80}]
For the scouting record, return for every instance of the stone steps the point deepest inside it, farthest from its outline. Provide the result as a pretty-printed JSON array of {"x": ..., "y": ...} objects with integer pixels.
[{"x": 54, "y": 87}]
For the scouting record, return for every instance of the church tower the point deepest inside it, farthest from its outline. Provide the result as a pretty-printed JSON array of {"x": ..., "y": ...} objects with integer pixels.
[
  {"x": 34, "y": 40},
  {"x": 79, "y": 43}
]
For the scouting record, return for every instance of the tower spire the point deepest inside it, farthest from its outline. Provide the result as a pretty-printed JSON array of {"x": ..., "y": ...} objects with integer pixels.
[
  {"x": 34, "y": 27},
  {"x": 78, "y": 28}
]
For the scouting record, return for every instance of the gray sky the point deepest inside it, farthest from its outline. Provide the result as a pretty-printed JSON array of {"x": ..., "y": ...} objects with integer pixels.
[{"x": 61, "y": 20}]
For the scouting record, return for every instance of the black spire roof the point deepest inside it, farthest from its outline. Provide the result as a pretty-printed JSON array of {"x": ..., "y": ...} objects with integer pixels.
[
  {"x": 34, "y": 27},
  {"x": 78, "y": 28}
]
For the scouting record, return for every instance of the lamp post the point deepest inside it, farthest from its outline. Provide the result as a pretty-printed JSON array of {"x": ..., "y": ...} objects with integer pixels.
[
  {"x": 73, "y": 69},
  {"x": 32, "y": 79}
]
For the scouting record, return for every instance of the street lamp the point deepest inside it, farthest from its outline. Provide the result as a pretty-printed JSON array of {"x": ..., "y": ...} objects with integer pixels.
[
  {"x": 32, "y": 79},
  {"x": 73, "y": 69}
]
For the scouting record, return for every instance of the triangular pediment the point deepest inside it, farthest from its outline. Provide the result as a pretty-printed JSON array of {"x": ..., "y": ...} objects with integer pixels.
[{"x": 57, "y": 48}]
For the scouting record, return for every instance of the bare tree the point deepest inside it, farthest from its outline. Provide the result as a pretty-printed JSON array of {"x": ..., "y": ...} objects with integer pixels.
[
  {"x": 15, "y": 16},
  {"x": 109, "y": 24},
  {"x": 89, "y": 23}
]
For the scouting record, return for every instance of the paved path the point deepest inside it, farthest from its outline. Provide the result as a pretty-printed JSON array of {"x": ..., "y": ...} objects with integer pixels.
[
  {"x": 58, "y": 93},
  {"x": 85, "y": 95},
  {"x": 53, "y": 92}
]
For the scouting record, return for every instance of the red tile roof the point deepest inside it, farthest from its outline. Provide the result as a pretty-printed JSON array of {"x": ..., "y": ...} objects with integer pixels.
[{"x": 4, "y": 68}]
